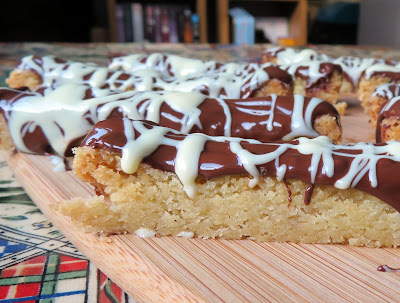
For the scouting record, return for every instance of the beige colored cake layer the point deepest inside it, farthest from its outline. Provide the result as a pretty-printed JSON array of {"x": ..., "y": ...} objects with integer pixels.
[
  {"x": 225, "y": 207},
  {"x": 367, "y": 87},
  {"x": 23, "y": 78},
  {"x": 390, "y": 129},
  {"x": 328, "y": 92},
  {"x": 5, "y": 138},
  {"x": 335, "y": 86},
  {"x": 328, "y": 126},
  {"x": 374, "y": 105}
]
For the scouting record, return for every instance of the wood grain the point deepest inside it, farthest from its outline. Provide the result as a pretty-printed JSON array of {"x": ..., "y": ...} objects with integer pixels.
[{"x": 195, "y": 270}]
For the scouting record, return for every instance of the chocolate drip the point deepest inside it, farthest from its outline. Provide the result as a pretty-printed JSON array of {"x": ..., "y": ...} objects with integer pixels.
[
  {"x": 385, "y": 268},
  {"x": 289, "y": 192},
  {"x": 218, "y": 159},
  {"x": 308, "y": 194}
]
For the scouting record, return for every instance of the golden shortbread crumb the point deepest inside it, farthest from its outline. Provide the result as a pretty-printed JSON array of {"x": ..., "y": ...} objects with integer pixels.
[
  {"x": 328, "y": 89},
  {"x": 23, "y": 78},
  {"x": 390, "y": 129},
  {"x": 328, "y": 126},
  {"x": 225, "y": 207},
  {"x": 5, "y": 137},
  {"x": 366, "y": 88}
]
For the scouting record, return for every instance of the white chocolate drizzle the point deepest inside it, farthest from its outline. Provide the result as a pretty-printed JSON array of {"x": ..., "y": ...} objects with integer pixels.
[
  {"x": 230, "y": 80},
  {"x": 290, "y": 55},
  {"x": 292, "y": 60},
  {"x": 376, "y": 68},
  {"x": 301, "y": 122},
  {"x": 354, "y": 67},
  {"x": 321, "y": 149},
  {"x": 389, "y": 104},
  {"x": 65, "y": 115},
  {"x": 387, "y": 91}
]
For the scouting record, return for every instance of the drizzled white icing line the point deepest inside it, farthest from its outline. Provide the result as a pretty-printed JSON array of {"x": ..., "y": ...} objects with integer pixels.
[
  {"x": 352, "y": 66},
  {"x": 54, "y": 73},
  {"x": 389, "y": 104},
  {"x": 320, "y": 149},
  {"x": 258, "y": 112},
  {"x": 293, "y": 56},
  {"x": 384, "y": 91},
  {"x": 180, "y": 66},
  {"x": 380, "y": 68},
  {"x": 64, "y": 115},
  {"x": 292, "y": 59},
  {"x": 189, "y": 76},
  {"x": 60, "y": 112},
  {"x": 301, "y": 123}
]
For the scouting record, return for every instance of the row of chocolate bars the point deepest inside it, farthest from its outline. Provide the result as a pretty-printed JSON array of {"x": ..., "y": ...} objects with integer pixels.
[
  {"x": 285, "y": 71},
  {"x": 53, "y": 104}
]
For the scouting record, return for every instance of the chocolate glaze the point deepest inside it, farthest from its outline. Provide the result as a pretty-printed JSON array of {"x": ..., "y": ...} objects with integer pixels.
[
  {"x": 110, "y": 135},
  {"x": 393, "y": 76},
  {"x": 165, "y": 79},
  {"x": 248, "y": 117},
  {"x": 289, "y": 197},
  {"x": 162, "y": 65},
  {"x": 385, "y": 268},
  {"x": 352, "y": 67},
  {"x": 308, "y": 194},
  {"x": 387, "y": 91},
  {"x": 326, "y": 70}
]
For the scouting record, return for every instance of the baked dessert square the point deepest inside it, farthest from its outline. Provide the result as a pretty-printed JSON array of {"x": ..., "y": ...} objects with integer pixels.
[
  {"x": 52, "y": 121},
  {"x": 230, "y": 80},
  {"x": 306, "y": 191}
]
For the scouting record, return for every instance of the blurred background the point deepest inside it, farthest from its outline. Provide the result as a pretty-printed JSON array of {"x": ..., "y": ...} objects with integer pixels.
[{"x": 289, "y": 22}]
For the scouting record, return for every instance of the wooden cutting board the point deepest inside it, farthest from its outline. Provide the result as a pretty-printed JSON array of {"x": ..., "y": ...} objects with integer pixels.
[{"x": 195, "y": 270}]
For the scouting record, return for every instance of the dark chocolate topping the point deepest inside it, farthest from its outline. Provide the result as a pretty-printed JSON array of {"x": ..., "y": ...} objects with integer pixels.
[
  {"x": 218, "y": 159},
  {"x": 263, "y": 118}
]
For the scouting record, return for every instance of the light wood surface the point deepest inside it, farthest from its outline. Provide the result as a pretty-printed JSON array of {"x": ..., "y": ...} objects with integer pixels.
[{"x": 194, "y": 270}]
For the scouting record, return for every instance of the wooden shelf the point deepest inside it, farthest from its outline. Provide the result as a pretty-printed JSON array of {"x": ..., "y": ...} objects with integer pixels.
[
  {"x": 294, "y": 10},
  {"x": 201, "y": 10}
]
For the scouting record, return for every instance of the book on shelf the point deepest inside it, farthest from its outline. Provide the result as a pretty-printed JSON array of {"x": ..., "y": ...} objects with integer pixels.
[
  {"x": 243, "y": 26},
  {"x": 152, "y": 22},
  {"x": 127, "y": 17},
  {"x": 173, "y": 24},
  {"x": 120, "y": 22},
  {"x": 137, "y": 22}
]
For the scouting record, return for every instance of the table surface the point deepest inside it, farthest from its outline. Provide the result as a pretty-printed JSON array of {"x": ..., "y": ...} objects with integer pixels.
[{"x": 37, "y": 263}]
